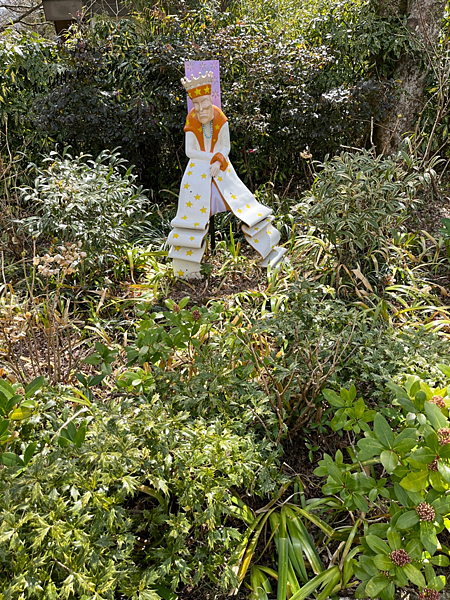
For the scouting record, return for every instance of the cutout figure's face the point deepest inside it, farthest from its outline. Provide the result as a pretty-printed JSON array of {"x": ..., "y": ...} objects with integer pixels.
[{"x": 203, "y": 107}]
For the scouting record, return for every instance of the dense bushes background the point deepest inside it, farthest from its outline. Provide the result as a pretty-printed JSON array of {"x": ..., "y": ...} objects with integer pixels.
[{"x": 313, "y": 85}]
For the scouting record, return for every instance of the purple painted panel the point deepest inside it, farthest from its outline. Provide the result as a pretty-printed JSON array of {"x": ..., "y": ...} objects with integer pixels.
[{"x": 195, "y": 67}]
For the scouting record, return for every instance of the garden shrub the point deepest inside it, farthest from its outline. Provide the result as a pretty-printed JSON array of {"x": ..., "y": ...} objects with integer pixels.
[
  {"x": 143, "y": 501},
  {"x": 404, "y": 468},
  {"x": 92, "y": 202},
  {"x": 358, "y": 200},
  {"x": 118, "y": 85}
]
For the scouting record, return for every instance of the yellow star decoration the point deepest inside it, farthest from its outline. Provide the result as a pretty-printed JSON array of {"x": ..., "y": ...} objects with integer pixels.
[
  {"x": 217, "y": 127},
  {"x": 197, "y": 197},
  {"x": 256, "y": 228},
  {"x": 269, "y": 232},
  {"x": 175, "y": 236},
  {"x": 228, "y": 170},
  {"x": 203, "y": 209},
  {"x": 198, "y": 92},
  {"x": 220, "y": 178},
  {"x": 186, "y": 186},
  {"x": 206, "y": 90},
  {"x": 196, "y": 224},
  {"x": 256, "y": 241},
  {"x": 177, "y": 248},
  {"x": 181, "y": 273},
  {"x": 233, "y": 196},
  {"x": 188, "y": 122},
  {"x": 239, "y": 210},
  {"x": 192, "y": 238},
  {"x": 214, "y": 139},
  {"x": 189, "y": 253},
  {"x": 189, "y": 173},
  {"x": 204, "y": 176},
  {"x": 259, "y": 214},
  {"x": 273, "y": 247},
  {"x": 189, "y": 204},
  {"x": 192, "y": 165},
  {"x": 247, "y": 205},
  {"x": 199, "y": 129},
  {"x": 184, "y": 218}
]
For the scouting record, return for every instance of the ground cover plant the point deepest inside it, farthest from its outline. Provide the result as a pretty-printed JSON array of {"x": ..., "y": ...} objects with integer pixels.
[{"x": 266, "y": 435}]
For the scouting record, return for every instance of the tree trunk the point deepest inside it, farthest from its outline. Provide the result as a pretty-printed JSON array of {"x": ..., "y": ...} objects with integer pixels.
[{"x": 424, "y": 18}]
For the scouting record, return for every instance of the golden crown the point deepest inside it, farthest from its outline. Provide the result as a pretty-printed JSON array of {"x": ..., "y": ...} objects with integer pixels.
[{"x": 198, "y": 86}]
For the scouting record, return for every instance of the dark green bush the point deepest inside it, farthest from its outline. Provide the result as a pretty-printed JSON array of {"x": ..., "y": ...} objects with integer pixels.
[{"x": 119, "y": 85}]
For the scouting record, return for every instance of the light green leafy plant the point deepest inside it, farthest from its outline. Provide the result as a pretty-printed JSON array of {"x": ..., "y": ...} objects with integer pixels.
[{"x": 403, "y": 546}]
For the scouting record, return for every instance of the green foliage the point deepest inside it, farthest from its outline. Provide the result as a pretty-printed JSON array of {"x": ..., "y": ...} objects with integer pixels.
[
  {"x": 119, "y": 513},
  {"x": 118, "y": 85},
  {"x": 300, "y": 571},
  {"x": 28, "y": 66},
  {"x": 358, "y": 200},
  {"x": 17, "y": 405},
  {"x": 92, "y": 202},
  {"x": 414, "y": 457}
]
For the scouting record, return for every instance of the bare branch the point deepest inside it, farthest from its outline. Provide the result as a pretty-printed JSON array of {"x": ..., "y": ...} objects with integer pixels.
[{"x": 21, "y": 17}]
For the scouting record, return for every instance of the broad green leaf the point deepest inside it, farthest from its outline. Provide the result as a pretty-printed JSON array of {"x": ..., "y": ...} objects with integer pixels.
[
  {"x": 376, "y": 584},
  {"x": 405, "y": 441},
  {"x": 339, "y": 420},
  {"x": 414, "y": 575},
  {"x": 423, "y": 455},
  {"x": 377, "y": 544},
  {"x": 34, "y": 386},
  {"x": 31, "y": 448},
  {"x": 435, "y": 415},
  {"x": 368, "y": 448},
  {"x": 383, "y": 431},
  {"x": 6, "y": 388},
  {"x": 440, "y": 560},
  {"x": 442, "y": 505},
  {"x": 9, "y": 459},
  {"x": 416, "y": 481},
  {"x": 437, "y": 583},
  {"x": 4, "y": 424},
  {"x": 165, "y": 593},
  {"x": 394, "y": 539},
  {"x": 389, "y": 460},
  {"x": 382, "y": 562},
  {"x": 444, "y": 470},
  {"x": 428, "y": 536},
  {"x": 437, "y": 482},
  {"x": 407, "y": 520},
  {"x": 20, "y": 413},
  {"x": 332, "y": 398},
  {"x": 444, "y": 369}
]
